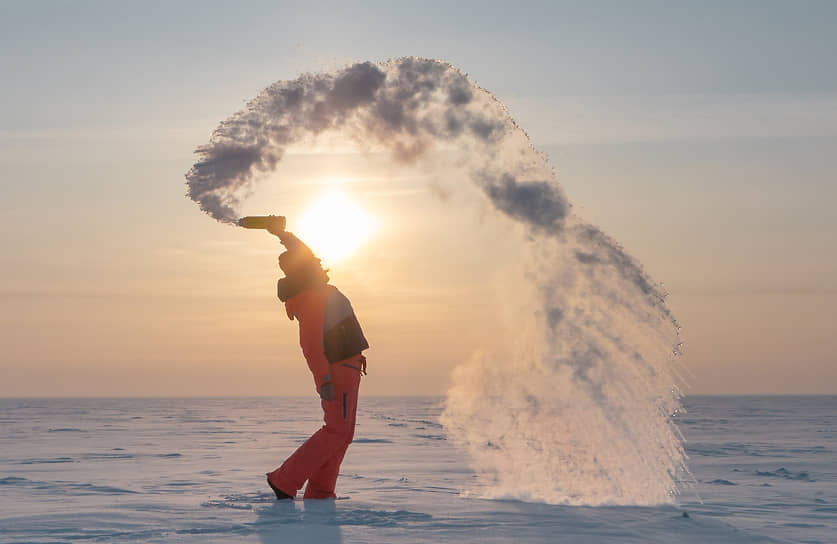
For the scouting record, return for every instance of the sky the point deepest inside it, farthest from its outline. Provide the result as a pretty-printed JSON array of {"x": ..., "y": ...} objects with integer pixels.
[{"x": 698, "y": 135}]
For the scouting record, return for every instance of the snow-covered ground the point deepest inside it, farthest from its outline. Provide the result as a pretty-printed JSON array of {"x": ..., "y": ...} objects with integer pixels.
[{"x": 192, "y": 470}]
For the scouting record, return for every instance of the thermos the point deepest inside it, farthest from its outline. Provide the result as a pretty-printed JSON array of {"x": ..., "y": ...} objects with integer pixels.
[{"x": 276, "y": 222}]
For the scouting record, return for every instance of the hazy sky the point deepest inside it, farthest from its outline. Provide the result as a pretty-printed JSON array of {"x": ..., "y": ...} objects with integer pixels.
[{"x": 701, "y": 136}]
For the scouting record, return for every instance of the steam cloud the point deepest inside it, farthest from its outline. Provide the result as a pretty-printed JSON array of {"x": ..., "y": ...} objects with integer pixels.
[{"x": 580, "y": 409}]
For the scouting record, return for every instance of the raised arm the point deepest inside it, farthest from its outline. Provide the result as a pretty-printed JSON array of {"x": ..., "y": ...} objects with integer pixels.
[{"x": 289, "y": 239}]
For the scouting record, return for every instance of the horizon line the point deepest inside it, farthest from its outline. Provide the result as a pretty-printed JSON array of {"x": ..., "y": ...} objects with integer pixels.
[{"x": 149, "y": 397}]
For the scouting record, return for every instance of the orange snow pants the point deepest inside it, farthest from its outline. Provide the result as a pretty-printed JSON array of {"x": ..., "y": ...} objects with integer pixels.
[{"x": 318, "y": 459}]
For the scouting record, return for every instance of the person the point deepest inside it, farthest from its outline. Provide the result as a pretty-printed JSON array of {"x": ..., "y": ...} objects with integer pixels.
[{"x": 332, "y": 343}]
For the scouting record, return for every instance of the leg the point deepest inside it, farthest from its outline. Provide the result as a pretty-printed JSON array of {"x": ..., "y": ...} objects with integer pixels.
[
  {"x": 321, "y": 483},
  {"x": 327, "y": 442}
]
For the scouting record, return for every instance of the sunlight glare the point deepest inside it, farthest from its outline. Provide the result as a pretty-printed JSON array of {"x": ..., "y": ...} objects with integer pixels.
[{"x": 335, "y": 227}]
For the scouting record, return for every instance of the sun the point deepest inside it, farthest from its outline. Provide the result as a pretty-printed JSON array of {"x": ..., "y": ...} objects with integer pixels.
[{"x": 335, "y": 227}]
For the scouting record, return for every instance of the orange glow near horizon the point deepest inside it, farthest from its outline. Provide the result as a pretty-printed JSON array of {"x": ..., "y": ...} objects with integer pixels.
[{"x": 335, "y": 227}]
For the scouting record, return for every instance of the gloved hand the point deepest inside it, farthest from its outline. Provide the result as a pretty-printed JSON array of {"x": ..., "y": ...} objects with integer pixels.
[
  {"x": 275, "y": 230},
  {"x": 326, "y": 392},
  {"x": 288, "y": 239}
]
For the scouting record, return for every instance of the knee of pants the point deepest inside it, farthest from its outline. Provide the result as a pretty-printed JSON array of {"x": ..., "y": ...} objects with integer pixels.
[{"x": 343, "y": 431}]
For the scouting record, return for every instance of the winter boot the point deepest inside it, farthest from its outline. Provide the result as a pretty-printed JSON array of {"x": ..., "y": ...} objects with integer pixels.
[{"x": 280, "y": 495}]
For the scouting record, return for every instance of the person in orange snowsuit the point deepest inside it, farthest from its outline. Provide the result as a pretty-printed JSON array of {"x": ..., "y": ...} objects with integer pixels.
[{"x": 332, "y": 343}]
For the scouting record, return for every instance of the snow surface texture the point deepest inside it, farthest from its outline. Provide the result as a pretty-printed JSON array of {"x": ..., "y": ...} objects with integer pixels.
[
  {"x": 576, "y": 409},
  {"x": 191, "y": 470}
]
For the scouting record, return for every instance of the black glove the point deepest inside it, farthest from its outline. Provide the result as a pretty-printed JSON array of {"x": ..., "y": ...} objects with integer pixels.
[
  {"x": 327, "y": 392},
  {"x": 288, "y": 239}
]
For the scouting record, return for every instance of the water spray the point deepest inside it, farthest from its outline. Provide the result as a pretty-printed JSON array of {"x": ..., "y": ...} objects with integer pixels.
[{"x": 578, "y": 407}]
